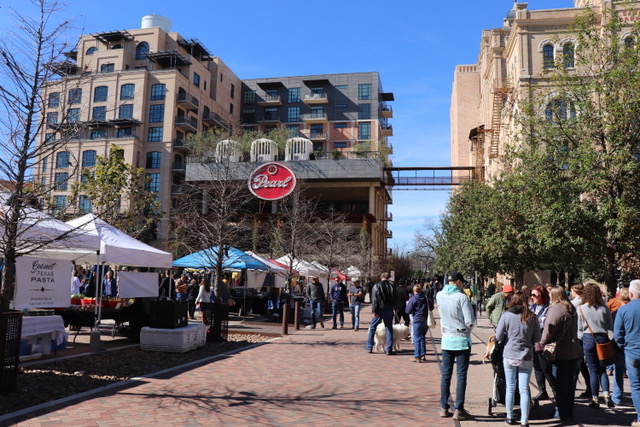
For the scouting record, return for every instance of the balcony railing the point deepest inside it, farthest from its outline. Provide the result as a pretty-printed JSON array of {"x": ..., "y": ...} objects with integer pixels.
[
  {"x": 187, "y": 123},
  {"x": 270, "y": 117},
  {"x": 386, "y": 112},
  {"x": 315, "y": 98},
  {"x": 314, "y": 117},
  {"x": 215, "y": 119},
  {"x": 188, "y": 101},
  {"x": 270, "y": 100}
]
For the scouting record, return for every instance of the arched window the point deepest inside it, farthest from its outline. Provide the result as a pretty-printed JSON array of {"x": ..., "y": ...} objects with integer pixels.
[
  {"x": 629, "y": 42},
  {"x": 568, "y": 55},
  {"x": 558, "y": 110},
  {"x": 88, "y": 158},
  {"x": 91, "y": 50},
  {"x": 63, "y": 159},
  {"x": 127, "y": 91},
  {"x": 141, "y": 50},
  {"x": 548, "y": 60},
  {"x": 154, "y": 160}
]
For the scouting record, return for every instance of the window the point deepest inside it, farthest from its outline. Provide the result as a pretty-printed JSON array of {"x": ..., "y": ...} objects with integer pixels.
[
  {"x": 294, "y": 95},
  {"x": 293, "y": 114},
  {"x": 88, "y": 158},
  {"x": 317, "y": 131},
  {"x": 98, "y": 134},
  {"x": 100, "y": 94},
  {"x": 568, "y": 55},
  {"x": 91, "y": 50},
  {"x": 317, "y": 90},
  {"x": 141, "y": 50},
  {"x": 341, "y": 144},
  {"x": 52, "y": 118},
  {"x": 271, "y": 94},
  {"x": 341, "y": 87},
  {"x": 629, "y": 42},
  {"x": 154, "y": 160},
  {"x": 156, "y": 113},
  {"x": 45, "y": 164},
  {"x": 153, "y": 182},
  {"x": 233, "y": 91},
  {"x": 127, "y": 91},
  {"x": 294, "y": 131},
  {"x": 248, "y": 115},
  {"x": 269, "y": 129},
  {"x": 557, "y": 111},
  {"x": 158, "y": 92},
  {"x": 43, "y": 182},
  {"x": 49, "y": 138},
  {"x": 59, "y": 203},
  {"x": 62, "y": 159},
  {"x": 99, "y": 113},
  {"x": 124, "y": 132},
  {"x": 107, "y": 68},
  {"x": 125, "y": 111},
  {"x": 249, "y": 97},
  {"x": 364, "y": 111},
  {"x": 73, "y": 115},
  {"x": 364, "y": 91},
  {"x": 84, "y": 204},
  {"x": 86, "y": 174},
  {"x": 75, "y": 96},
  {"x": 271, "y": 114},
  {"x": 230, "y": 108},
  {"x": 155, "y": 134},
  {"x": 340, "y": 106},
  {"x": 196, "y": 79},
  {"x": 364, "y": 130},
  {"x": 339, "y": 125},
  {"x": 54, "y": 100},
  {"x": 61, "y": 181},
  {"x": 547, "y": 57},
  {"x": 317, "y": 112}
]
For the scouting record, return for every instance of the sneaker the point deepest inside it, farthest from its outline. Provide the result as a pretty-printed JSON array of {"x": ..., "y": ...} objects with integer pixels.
[
  {"x": 334, "y": 327},
  {"x": 542, "y": 396},
  {"x": 417, "y": 360},
  {"x": 391, "y": 353},
  {"x": 461, "y": 414},
  {"x": 636, "y": 423},
  {"x": 586, "y": 393},
  {"x": 594, "y": 403},
  {"x": 356, "y": 329},
  {"x": 444, "y": 413},
  {"x": 369, "y": 350}
]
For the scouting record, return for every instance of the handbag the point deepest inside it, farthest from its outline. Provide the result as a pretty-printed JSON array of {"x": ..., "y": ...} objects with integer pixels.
[
  {"x": 549, "y": 351},
  {"x": 607, "y": 351},
  {"x": 431, "y": 321}
]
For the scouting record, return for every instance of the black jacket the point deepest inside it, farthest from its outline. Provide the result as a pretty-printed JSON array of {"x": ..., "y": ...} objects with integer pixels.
[{"x": 382, "y": 296}]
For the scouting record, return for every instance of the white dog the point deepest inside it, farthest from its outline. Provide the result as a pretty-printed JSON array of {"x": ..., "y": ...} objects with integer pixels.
[{"x": 400, "y": 332}]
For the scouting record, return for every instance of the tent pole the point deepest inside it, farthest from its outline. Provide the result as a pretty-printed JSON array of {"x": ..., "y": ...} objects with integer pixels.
[{"x": 94, "y": 340}]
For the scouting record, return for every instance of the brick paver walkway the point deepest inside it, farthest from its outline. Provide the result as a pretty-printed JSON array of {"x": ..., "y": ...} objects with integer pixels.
[{"x": 318, "y": 377}]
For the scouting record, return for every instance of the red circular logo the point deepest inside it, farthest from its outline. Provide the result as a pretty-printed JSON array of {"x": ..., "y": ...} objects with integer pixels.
[{"x": 272, "y": 181}]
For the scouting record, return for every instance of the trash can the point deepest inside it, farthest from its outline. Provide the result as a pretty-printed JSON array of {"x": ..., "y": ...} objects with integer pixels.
[
  {"x": 218, "y": 322},
  {"x": 10, "y": 331}
]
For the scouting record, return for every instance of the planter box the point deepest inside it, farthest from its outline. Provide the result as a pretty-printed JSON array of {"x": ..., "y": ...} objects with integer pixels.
[
  {"x": 76, "y": 301},
  {"x": 179, "y": 340},
  {"x": 87, "y": 301}
]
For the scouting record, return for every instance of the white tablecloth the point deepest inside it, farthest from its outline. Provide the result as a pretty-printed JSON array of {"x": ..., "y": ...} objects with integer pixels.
[{"x": 36, "y": 325}]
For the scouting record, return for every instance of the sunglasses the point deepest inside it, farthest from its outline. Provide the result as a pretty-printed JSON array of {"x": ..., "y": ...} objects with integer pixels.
[{"x": 535, "y": 295}]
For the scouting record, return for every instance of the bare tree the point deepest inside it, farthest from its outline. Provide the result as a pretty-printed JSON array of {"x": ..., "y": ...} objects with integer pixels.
[{"x": 29, "y": 59}]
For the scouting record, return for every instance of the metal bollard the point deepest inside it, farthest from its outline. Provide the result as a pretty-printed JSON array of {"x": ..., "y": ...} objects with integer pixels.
[
  {"x": 285, "y": 317},
  {"x": 296, "y": 315}
]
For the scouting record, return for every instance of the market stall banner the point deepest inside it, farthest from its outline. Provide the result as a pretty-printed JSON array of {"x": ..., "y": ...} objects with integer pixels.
[
  {"x": 133, "y": 284},
  {"x": 42, "y": 282}
]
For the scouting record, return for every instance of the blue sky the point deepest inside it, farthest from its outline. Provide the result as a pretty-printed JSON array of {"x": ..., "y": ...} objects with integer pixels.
[{"x": 414, "y": 45}]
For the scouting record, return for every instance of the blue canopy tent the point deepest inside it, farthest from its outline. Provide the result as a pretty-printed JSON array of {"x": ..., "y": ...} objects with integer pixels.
[{"x": 233, "y": 258}]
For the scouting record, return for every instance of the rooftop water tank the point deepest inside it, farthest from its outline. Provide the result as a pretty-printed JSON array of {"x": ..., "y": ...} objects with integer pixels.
[{"x": 152, "y": 21}]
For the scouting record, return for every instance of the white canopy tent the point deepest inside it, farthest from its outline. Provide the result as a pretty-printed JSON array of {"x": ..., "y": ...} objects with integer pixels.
[
  {"x": 255, "y": 279},
  {"x": 303, "y": 267}
]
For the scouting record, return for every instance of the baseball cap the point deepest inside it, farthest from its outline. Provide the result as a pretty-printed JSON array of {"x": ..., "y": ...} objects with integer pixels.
[
  {"x": 455, "y": 277},
  {"x": 507, "y": 288}
]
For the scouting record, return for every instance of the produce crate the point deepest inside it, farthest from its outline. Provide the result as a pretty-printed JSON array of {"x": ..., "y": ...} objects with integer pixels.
[{"x": 178, "y": 340}]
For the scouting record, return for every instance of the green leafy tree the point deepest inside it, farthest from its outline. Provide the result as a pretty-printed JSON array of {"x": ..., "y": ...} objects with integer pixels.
[{"x": 119, "y": 194}]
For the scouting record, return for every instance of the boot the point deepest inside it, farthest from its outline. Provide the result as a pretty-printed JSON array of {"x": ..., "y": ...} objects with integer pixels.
[{"x": 540, "y": 380}]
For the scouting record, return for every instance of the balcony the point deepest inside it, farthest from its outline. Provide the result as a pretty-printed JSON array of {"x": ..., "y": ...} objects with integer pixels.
[
  {"x": 215, "y": 120},
  {"x": 179, "y": 167},
  {"x": 179, "y": 144},
  {"x": 316, "y": 98},
  {"x": 270, "y": 100},
  {"x": 314, "y": 118},
  {"x": 188, "y": 124},
  {"x": 187, "y": 101},
  {"x": 386, "y": 112},
  {"x": 270, "y": 118},
  {"x": 388, "y": 234},
  {"x": 386, "y": 130},
  {"x": 317, "y": 136},
  {"x": 388, "y": 216}
]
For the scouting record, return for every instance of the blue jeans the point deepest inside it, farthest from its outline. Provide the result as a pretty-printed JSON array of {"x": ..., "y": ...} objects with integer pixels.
[
  {"x": 461, "y": 358},
  {"x": 385, "y": 315},
  {"x": 565, "y": 372},
  {"x": 355, "y": 314},
  {"x": 315, "y": 305},
  {"x": 520, "y": 375},
  {"x": 597, "y": 374},
  {"x": 337, "y": 308},
  {"x": 633, "y": 371},
  {"x": 619, "y": 369},
  {"x": 418, "y": 330}
]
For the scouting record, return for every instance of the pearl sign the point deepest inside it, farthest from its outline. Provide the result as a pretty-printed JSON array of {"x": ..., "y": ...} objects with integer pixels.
[{"x": 272, "y": 181}]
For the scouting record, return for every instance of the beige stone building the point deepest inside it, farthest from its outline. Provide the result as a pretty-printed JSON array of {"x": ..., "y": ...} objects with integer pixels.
[{"x": 513, "y": 58}]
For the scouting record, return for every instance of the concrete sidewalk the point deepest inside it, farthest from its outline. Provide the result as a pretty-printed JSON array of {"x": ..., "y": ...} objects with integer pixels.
[{"x": 311, "y": 377}]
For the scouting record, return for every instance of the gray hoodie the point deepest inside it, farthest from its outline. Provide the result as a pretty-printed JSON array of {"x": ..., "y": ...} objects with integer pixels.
[{"x": 520, "y": 336}]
